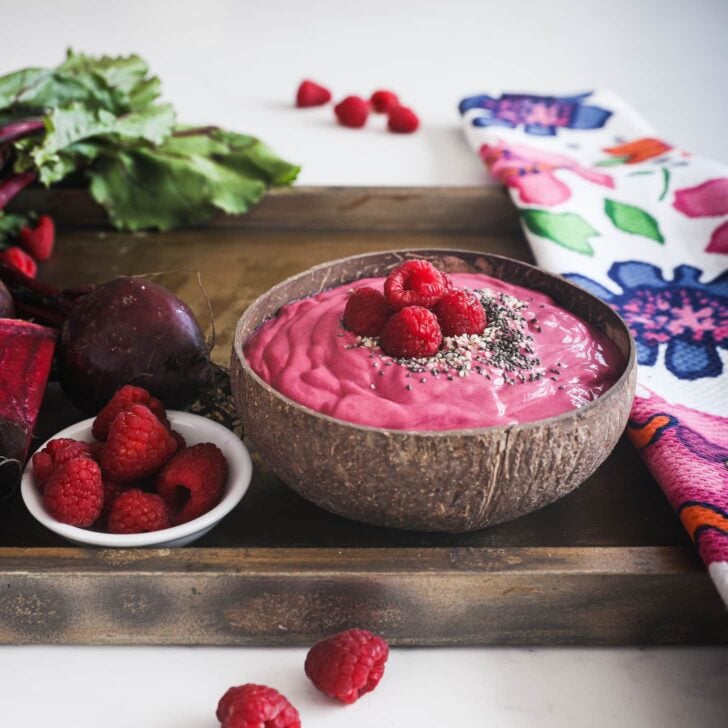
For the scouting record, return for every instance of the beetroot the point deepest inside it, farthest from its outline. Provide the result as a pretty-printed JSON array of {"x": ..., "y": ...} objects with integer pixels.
[
  {"x": 26, "y": 353},
  {"x": 132, "y": 331},
  {"x": 7, "y": 309}
]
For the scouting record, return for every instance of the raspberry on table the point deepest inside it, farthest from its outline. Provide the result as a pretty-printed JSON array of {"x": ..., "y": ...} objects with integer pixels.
[
  {"x": 460, "y": 312},
  {"x": 402, "y": 120},
  {"x": 353, "y": 112},
  {"x": 383, "y": 101},
  {"x": 311, "y": 93},
  {"x": 17, "y": 258},
  {"x": 192, "y": 482},
  {"x": 256, "y": 706},
  {"x": 348, "y": 665},
  {"x": 366, "y": 312},
  {"x": 412, "y": 332},
  {"x": 138, "y": 445},
  {"x": 135, "y": 511},
  {"x": 414, "y": 283},
  {"x": 39, "y": 241},
  {"x": 74, "y": 494},
  {"x": 122, "y": 400}
]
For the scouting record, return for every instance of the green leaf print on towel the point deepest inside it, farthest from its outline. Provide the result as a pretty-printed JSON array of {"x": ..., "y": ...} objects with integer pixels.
[
  {"x": 564, "y": 228},
  {"x": 633, "y": 220}
]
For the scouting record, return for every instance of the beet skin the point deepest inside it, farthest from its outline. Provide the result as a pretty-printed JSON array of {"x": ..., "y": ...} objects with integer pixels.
[
  {"x": 132, "y": 331},
  {"x": 7, "y": 309}
]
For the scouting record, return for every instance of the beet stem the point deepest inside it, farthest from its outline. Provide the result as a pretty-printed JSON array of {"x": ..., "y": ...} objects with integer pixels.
[
  {"x": 19, "y": 129},
  {"x": 10, "y": 186}
]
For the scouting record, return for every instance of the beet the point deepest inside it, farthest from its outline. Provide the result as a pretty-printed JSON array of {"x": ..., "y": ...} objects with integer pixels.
[
  {"x": 7, "y": 309},
  {"x": 132, "y": 331},
  {"x": 26, "y": 353}
]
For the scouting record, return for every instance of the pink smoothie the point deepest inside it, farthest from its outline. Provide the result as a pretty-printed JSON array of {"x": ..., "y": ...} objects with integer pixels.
[{"x": 305, "y": 353}]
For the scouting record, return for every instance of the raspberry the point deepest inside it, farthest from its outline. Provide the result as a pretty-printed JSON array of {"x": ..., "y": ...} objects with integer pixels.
[
  {"x": 135, "y": 511},
  {"x": 412, "y": 332},
  {"x": 460, "y": 312},
  {"x": 17, "y": 258},
  {"x": 311, "y": 93},
  {"x": 122, "y": 400},
  {"x": 192, "y": 481},
  {"x": 137, "y": 446},
  {"x": 111, "y": 491},
  {"x": 366, "y": 312},
  {"x": 256, "y": 706},
  {"x": 55, "y": 446},
  {"x": 73, "y": 451},
  {"x": 402, "y": 120},
  {"x": 347, "y": 665},
  {"x": 39, "y": 241},
  {"x": 181, "y": 442},
  {"x": 58, "y": 452},
  {"x": 383, "y": 101},
  {"x": 353, "y": 111},
  {"x": 43, "y": 467},
  {"x": 414, "y": 283},
  {"x": 74, "y": 494}
]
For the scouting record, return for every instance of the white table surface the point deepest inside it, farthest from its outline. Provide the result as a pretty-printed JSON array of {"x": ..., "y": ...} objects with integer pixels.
[{"x": 238, "y": 64}]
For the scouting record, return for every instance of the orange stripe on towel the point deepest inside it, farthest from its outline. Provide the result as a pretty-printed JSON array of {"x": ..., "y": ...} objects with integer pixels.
[
  {"x": 642, "y": 434},
  {"x": 693, "y": 517}
]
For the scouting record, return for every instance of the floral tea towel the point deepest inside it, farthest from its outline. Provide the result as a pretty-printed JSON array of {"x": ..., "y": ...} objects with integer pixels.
[{"x": 611, "y": 206}]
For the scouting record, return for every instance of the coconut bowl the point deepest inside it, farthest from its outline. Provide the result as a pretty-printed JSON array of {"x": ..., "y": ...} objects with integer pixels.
[{"x": 450, "y": 480}]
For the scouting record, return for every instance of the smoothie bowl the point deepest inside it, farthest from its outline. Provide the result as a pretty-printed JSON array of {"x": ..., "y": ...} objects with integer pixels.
[{"x": 479, "y": 428}]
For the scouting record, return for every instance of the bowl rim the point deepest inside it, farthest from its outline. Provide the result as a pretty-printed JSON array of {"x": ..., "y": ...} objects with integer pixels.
[
  {"x": 238, "y": 453},
  {"x": 580, "y": 412}
]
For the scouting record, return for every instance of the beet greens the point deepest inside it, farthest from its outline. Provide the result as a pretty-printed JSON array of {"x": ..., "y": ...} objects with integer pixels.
[{"x": 101, "y": 118}]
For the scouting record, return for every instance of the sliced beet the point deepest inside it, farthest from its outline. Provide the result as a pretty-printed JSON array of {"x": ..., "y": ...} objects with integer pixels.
[
  {"x": 26, "y": 353},
  {"x": 132, "y": 331},
  {"x": 7, "y": 309}
]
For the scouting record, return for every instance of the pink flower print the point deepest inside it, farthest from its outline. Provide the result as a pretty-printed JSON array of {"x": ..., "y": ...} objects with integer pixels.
[
  {"x": 708, "y": 199},
  {"x": 531, "y": 172},
  {"x": 705, "y": 200},
  {"x": 719, "y": 240}
]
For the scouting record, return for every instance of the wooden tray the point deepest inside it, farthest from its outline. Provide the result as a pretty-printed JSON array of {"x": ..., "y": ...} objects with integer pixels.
[{"x": 609, "y": 564}]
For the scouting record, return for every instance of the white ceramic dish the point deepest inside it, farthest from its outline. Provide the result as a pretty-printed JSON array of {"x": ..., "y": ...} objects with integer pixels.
[{"x": 194, "y": 429}]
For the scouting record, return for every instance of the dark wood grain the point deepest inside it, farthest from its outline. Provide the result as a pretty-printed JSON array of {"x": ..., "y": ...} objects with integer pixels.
[
  {"x": 464, "y": 209},
  {"x": 607, "y": 564}
]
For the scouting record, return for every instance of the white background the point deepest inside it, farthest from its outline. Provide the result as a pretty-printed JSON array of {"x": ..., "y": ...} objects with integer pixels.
[{"x": 238, "y": 64}]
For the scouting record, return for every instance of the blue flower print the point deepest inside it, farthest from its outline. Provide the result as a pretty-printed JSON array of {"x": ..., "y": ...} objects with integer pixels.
[
  {"x": 539, "y": 115},
  {"x": 689, "y": 317}
]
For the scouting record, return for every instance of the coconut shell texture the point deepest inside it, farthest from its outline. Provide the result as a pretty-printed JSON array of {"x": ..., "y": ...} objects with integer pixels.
[{"x": 454, "y": 480}]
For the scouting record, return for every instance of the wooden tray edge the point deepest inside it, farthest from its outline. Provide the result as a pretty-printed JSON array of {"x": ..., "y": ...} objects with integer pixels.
[
  {"x": 531, "y": 596},
  {"x": 457, "y": 209}
]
